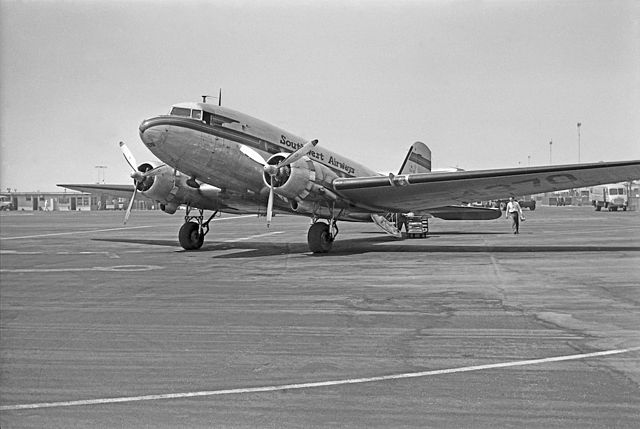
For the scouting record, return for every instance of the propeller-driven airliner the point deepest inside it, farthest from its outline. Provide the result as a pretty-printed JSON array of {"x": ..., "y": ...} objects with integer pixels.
[{"x": 222, "y": 160}]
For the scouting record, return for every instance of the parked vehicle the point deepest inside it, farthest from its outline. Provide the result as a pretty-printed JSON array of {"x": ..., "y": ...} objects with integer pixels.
[
  {"x": 5, "y": 203},
  {"x": 525, "y": 204},
  {"x": 612, "y": 197},
  {"x": 417, "y": 226}
]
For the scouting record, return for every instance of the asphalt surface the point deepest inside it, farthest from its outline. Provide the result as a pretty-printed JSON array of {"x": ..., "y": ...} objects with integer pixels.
[{"x": 105, "y": 325}]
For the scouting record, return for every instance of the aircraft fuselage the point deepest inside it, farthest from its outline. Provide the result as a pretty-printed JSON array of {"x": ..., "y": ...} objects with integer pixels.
[{"x": 204, "y": 141}]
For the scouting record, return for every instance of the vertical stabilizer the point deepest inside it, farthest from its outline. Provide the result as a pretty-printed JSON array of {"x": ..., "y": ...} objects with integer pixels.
[{"x": 418, "y": 160}]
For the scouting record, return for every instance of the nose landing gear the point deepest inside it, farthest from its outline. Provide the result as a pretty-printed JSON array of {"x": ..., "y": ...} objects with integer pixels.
[
  {"x": 192, "y": 232},
  {"x": 321, "y": 236}
]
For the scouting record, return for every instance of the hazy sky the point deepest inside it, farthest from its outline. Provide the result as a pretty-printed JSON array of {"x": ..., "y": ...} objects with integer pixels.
[{"x": 483, "y": 84}]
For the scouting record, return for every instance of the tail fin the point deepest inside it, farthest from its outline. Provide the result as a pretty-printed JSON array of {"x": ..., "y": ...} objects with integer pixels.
[{"x": 418, "y": 160}]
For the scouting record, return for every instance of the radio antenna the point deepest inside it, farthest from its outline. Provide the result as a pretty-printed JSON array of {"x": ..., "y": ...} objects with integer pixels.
[{"x": 204, "y": 97}]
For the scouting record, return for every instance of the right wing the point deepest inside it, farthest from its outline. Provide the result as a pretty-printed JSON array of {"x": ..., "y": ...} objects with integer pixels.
[{"x": 424, "y": 191}]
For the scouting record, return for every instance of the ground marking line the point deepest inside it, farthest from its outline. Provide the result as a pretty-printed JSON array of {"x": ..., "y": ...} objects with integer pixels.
[
  {"x": 104, "y": 230},
  {"x": 231, "y": 217},
  {"x": 68, "y": 270},
  {"x": 235, "y": 240},
  {"x": 76, "y": 232},
  {"x": 314, "y": 384}
]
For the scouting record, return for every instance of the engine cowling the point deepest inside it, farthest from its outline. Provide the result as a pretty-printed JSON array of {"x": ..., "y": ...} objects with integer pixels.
[
  {"x": 170, "y": 189},
  {"x": 302, "y": 180}
]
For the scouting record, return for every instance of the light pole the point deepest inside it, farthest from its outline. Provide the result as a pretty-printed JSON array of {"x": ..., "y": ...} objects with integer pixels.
[
  {"x": 550, "y": 144},
  {"x": 579, "y": 125},
  {"x": 101, "y": 168}
]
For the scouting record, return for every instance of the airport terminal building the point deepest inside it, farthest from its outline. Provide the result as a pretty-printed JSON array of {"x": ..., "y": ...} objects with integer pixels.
[{"x": 70, "y": 201}]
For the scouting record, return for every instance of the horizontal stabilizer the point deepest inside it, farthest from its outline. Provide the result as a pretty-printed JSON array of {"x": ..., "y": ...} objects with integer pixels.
[{"x": 465, "y": 213}]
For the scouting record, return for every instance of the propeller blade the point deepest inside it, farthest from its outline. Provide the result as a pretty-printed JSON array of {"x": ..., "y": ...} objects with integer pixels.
[
  {"x": 253, "y": 154},
  {"x": 128, "y": 213},
  {"x": 270, "y": 205},
  {"x": 128, "y": 156},
  {"x": 298, "y": 154}
]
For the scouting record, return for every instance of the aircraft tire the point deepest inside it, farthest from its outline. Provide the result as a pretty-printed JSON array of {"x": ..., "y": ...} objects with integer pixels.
[
  {"x": 319, "y": 238},
  {"x": 189, "y": 236}
]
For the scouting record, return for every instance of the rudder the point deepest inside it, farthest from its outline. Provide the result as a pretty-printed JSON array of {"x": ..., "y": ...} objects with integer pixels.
[{"x": 418, "y": 160}]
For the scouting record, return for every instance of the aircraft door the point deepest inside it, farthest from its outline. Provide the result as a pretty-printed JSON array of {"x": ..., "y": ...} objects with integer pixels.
[
  {"x": 34, "y": 200},
  {"x": 73, "y": 203}
]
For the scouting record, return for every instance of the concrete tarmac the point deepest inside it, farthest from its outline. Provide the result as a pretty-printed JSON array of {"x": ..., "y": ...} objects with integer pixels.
[{"x": 105, "y": 325}]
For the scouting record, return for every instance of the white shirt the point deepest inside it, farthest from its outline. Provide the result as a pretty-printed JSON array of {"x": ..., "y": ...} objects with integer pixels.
[{"x": 513, "y": 207}]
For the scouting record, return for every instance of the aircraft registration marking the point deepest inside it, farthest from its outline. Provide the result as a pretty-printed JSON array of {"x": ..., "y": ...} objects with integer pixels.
[{"x": 299, "y": 386}]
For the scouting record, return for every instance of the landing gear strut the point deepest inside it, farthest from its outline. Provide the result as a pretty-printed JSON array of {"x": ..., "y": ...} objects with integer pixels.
[{"x": 192, "y": 232}]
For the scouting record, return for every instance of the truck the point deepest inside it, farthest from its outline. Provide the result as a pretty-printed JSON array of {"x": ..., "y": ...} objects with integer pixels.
[
  {"x": 612, "y": 197},
  {"x": 5, "y": 203},
  {"x": 417, "y": 226},
  {"x": 524, "y": 203}
]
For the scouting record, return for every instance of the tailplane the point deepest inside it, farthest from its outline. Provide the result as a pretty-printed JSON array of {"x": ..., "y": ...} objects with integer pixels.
[{"x": 418, "y": 160}]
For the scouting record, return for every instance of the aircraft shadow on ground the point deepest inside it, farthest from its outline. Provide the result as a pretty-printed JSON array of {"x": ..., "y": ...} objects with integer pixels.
[{"x": 250, "y": 249}]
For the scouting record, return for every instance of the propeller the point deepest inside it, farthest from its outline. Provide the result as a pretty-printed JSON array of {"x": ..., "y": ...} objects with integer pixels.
[
  {"x": 272, "y": 170},
  {"x": 139, "y": 175}
]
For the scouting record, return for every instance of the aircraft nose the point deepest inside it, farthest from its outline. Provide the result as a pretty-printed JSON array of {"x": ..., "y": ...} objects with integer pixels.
[{"x": 150, "y": 133}]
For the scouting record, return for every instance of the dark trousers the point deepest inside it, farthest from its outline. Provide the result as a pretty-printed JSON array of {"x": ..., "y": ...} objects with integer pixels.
[{"x": 515, "y": 221}]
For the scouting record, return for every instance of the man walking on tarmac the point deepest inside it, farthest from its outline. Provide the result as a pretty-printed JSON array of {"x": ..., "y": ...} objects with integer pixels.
[{"x": 514, "y": 211}]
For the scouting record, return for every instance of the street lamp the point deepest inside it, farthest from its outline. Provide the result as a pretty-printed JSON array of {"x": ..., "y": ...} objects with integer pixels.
[
  {"x": 101, "y": 168},
  {"x": 550, "y": 144},
  {"x": 579, "y": 125}
]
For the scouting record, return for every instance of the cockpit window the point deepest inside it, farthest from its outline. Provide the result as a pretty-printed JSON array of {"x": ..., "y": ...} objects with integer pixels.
[
  {"x": 196, "y": 114},
  {"x": 181, "y": 111}
]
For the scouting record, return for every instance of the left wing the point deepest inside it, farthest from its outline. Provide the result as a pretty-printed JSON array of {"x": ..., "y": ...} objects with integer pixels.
[
  {"x": 424, "y": 191},
  {"x": 121, "y": 191}
]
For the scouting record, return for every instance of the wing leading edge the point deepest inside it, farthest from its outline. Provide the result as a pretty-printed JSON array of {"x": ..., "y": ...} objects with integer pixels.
[
  {"x": 123, "y": 191},
  {"x": 423, "y": 191}
]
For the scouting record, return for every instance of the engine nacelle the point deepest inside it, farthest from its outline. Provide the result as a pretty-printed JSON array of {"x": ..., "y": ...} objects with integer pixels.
[
  {"x": 170, "y": 189},
  {"x": 302, "y": 180}
]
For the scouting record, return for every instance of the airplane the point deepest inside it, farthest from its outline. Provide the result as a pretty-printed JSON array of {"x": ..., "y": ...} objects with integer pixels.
[
  {"x": 219, "y": 159},
  {"x": 243, "y": 164}
]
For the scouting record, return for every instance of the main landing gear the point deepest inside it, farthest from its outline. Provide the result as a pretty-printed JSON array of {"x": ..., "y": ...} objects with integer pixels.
[
  {"x": 192, "y": 232},
  {"x": 321, "y": 236}
]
